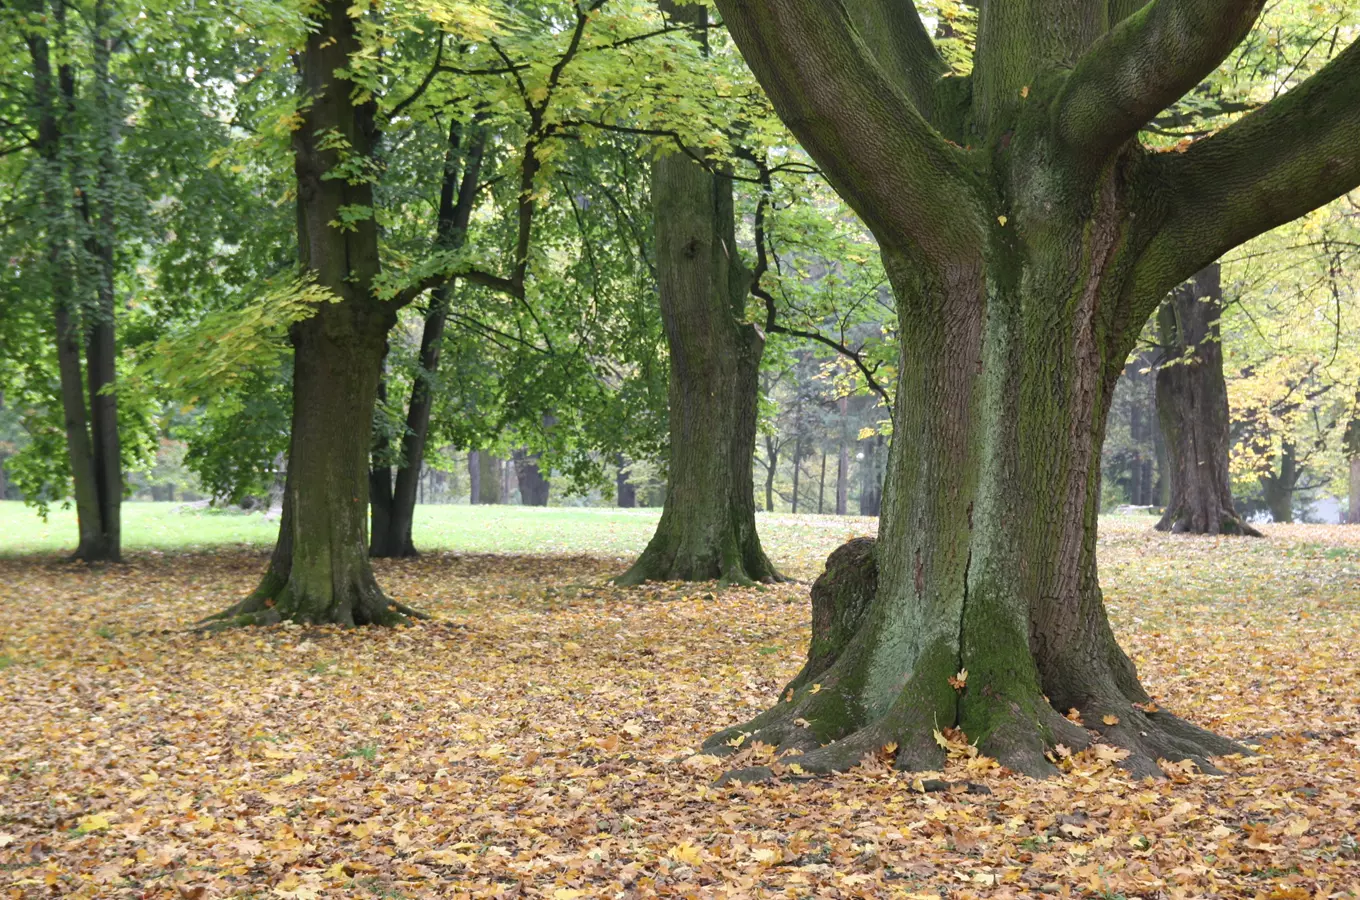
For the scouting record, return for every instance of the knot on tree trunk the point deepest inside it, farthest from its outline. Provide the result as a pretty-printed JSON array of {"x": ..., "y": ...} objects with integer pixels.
[{"x": 841, "y": 596}]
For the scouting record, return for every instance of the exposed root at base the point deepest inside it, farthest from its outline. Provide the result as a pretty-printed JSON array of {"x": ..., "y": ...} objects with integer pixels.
[
  {"x": 1021, "y": 741},
  {"x": 257, "y": 609}
]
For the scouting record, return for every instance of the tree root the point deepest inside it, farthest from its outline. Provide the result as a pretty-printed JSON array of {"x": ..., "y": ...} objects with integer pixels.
[
  {"x": 1022, "y": 741},
  {"x": 262, "y": 609}
]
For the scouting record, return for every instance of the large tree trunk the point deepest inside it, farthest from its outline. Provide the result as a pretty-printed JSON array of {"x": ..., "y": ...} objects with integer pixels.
[
  {"x": 1027, "y": 236},
  {"x": 474, "y": 463},
  {"x": 321, "y": 571},
  {"x": 708, "y": 527},
  {"x": 708, "y": 523},
  {"x": 1192, "y": 406},
  {"x": 771, "y": 469}
]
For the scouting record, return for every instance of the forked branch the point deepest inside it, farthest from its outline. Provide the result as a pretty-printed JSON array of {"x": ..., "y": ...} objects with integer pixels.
[{"x": 1144, "y": 64}]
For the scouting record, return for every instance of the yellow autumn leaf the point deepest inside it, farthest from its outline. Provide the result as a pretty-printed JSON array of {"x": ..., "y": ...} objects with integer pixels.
[
  {"x": 93, "y": 822},
  {"x": 686, "y": 853}
]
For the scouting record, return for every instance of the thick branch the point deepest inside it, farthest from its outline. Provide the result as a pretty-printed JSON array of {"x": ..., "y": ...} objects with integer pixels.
[
  {"x": 894, "y": 34},
  {"x": 906, "y": 182},
  {"x": 1287, "y": 158},
  {"x": 1144, "y": 64}
]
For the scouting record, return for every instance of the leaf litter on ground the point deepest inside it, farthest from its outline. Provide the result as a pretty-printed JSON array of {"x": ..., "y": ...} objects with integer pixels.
[{"x": 536, "y": 739}]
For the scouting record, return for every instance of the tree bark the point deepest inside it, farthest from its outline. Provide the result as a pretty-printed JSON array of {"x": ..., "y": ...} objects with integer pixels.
[
  {"x": 1027, "y": 238},
  {"x": 771, "y": 469},
  {"x": 1192, "y": 407},
  {"x": 1353, "y": 454},
  {"x": 708, "y": 525},
  {"x": 320, "y": 572},
  {"x": 533, "y": 487}
]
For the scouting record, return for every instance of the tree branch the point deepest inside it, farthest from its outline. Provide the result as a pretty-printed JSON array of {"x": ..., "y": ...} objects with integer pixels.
[
  {"x": 895, "y": 35},
  {"x": 906, "y": 182},
  {"x": 1291, "y": 156},
  {"x": 1144, "y": 64}
]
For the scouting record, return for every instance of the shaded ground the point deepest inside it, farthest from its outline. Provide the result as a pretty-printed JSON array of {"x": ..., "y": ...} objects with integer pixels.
[{"x": 525, "y": 743}]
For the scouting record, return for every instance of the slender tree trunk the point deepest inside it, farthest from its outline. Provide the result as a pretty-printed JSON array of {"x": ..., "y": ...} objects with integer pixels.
[
  {"x": 474, "y": 462},
  {"x": 1192, "y": 405},
  {"x": 1352, "y": 448},
  {"x": 843, "y": 462},
  {"x": 821, "y": 485},
  {"x": 1353, "y": 510},
  {"x": 871, "y": 477},
  {"x": 54, "y": 93},
  {"x": 457, "y": 198},
  {"x": 771, "y": 469},
  {"x": 533, "y": 487},
  {"x": 321, "y": 571},
  {"x": 380, "y": 485}
]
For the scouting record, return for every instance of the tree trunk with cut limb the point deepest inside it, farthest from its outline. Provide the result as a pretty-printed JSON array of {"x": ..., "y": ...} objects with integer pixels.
[
  {"x": 533, "y": 486},
  {"x": 457, "y": 198},
  {"x": 1192, "y": 407},
  {"x": 1278, "y": 487},
  {"x": 320, "y": 570},
  {"x": 708, "y": 523},
  {"x": 1027, "y": 237}
]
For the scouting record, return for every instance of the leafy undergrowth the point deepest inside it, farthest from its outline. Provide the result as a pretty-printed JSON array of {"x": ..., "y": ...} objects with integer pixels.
[{"x": 534, "y": 739}]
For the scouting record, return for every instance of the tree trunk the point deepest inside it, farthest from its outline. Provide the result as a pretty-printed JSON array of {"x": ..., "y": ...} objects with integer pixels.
[
  {"x": 533, "y": 487},
  {"x": 871, "y": 477},
  {"x": 380, "y": 484},
  {"x": 625, "y": 490},
  {"x": 1353, "y": 509},
  {"x": 708, "y": 527},
  {"x": 457, "y": 198},
  {"x": 771, "y": 469},
  {"x": 1027, "y": 236},
  {"x": 321, "y": 571},
  {"x": 821, "y": 485},
  {"x": 474, "y": 462},
  {"x": 1278, "y": 487},
  {"x": 843, "y": 462},
  {"x": 1352, "y": 448},
  {"x": 95, "y": 466},
  {"x": 1192, "y": 406}
]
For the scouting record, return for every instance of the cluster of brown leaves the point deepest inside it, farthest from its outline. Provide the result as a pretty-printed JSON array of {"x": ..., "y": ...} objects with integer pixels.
[{"x": 536, "y": 738}]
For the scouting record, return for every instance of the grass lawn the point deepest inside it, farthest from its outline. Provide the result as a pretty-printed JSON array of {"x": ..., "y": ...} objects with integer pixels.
[
  {"x": 802, "y": 542},
  {"x": 534, "y": 739}
]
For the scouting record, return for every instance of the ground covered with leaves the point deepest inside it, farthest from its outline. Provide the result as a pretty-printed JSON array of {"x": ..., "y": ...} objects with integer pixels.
[{"x": 536, "y": 739}]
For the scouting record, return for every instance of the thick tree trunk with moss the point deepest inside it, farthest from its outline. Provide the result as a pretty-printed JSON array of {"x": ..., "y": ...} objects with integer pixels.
[
  {"x": 1353, "y": 455},
  {"x": 1192, "y": 407},
  {"x": 533, "y": 486},
  {"x": 320, "y": 572},
  {"x": 1027, "y": 237},
  {"x": 708, "y": 523},
  {"x": 708, "y": 526}
]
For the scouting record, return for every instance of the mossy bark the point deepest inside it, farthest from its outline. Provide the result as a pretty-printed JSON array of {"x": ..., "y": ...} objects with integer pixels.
[
  {"x": 708, "y": 527},
  {"x": 708, "y": 523},
  {"x": 320, "y": 572},
  {"x": 1192, "y": 408},
  {"x": 1027, "y": 237}
]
